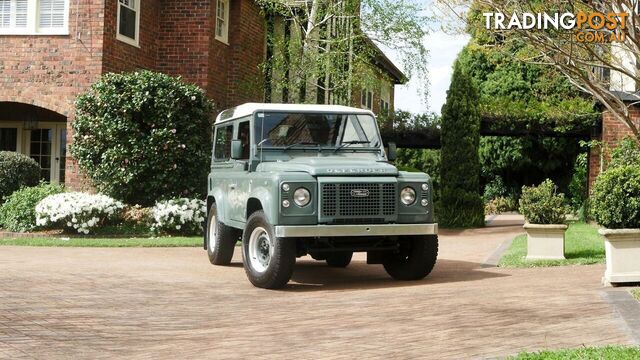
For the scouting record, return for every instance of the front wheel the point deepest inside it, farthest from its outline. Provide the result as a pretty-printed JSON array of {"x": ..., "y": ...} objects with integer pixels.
[
  {"x": 268, "y": 260},
  {"x": 415, "y": 259}
]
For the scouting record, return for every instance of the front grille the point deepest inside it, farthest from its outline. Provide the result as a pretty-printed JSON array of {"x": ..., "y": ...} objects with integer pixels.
[{"x": 349, "y": 200}]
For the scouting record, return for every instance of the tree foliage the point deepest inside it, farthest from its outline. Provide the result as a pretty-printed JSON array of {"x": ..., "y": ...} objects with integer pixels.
[
  {"x": 598, "y": 68},
  {"x": 461, "y": 205},
  {"x": 323, "y": 49},
  {"x": 143, "y": 136}
]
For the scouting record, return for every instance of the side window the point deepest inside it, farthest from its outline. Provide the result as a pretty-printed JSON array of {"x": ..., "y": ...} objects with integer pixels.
[
  {"x": 244, "y": 135},
  {"x": 222, "y": 21},
  {"x": 128, "y": 21},
  {"x": 222, "y": 149}
]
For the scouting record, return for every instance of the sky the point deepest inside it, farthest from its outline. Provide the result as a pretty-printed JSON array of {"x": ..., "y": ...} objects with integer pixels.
[{"x": 443, "y": 50}]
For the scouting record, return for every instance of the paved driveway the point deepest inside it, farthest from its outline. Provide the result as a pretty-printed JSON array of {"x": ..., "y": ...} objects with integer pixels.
[{"x": 171, "y": 303}]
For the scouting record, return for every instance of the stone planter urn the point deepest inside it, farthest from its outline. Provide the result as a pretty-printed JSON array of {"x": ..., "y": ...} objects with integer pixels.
[
  {"x": 545, "y": 242},
  {"x": 622, "y": 248}
]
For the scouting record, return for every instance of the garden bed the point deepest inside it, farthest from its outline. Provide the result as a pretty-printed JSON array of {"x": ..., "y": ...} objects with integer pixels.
[
  {"x": 583, "y": 246},
  {"x": 608, "y": 352}
]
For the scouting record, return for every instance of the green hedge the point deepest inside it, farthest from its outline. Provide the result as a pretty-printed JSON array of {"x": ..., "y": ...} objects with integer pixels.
[
  {"x": 144, "y": 136},
  {"x": 16, "y": 171},
  {"x": 18, "y": 212},
  {"x": 615, "y": 201},
  {"x": 460, "y": 165}
]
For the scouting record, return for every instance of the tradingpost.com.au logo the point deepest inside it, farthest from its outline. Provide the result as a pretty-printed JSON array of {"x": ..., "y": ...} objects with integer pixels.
[{"x": 593, "y": 27}]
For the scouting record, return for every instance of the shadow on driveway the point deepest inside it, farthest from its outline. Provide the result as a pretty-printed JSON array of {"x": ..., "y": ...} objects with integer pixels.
[{"x": 316, "y": 275}]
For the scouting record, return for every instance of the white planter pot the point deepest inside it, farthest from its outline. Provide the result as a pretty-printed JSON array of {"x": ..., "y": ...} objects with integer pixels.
[
  {"x": 545, "y": 242},
  {"x": 623, "y": 255}
]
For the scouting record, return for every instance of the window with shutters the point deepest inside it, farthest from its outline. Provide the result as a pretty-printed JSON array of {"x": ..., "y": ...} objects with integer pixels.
[
  {"x": 34, "y": 17},
  {"x": 128, "y": 21}
]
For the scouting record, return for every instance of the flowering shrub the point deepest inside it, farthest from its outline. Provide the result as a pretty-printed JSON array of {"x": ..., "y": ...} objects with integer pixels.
[
  {"x": 76, "y": 211},
  {"x": 18, "y": 213},
  {"x": 143, "y": 136},
  {"x": 183, "y": 216}
]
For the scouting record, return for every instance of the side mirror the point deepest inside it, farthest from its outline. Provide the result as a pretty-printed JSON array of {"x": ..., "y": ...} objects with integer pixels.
[
  {"x": 236, "y": 149},
  {"x": 392, "y": 151}
]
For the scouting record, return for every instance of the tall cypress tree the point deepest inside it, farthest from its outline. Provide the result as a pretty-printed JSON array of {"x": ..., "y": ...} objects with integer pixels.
[{"x": 460, "y": 169}]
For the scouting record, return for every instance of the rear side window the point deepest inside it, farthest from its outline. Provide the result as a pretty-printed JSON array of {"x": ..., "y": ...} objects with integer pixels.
[{"x": 222, "y": 149}]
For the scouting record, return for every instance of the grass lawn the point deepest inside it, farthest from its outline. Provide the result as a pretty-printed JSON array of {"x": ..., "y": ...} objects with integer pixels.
[
  {"x": 609, "y": 352},
  {"x": 636, "y": 294},
  {"x": 583, "y": 246},
  {"x": 101, "y": 242}
]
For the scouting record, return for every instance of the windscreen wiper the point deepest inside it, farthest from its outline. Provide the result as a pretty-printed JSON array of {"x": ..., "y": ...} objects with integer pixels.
[
  {"x": 289, "y": 147},
  {"x": 347, "y": 143}
]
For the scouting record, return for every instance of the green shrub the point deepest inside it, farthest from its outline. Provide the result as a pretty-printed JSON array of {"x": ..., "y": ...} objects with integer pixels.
[
  {"x": 460, "y": 164},
  {"x": 627, "y": 152},
  {"x": 143, "y": 136},
  {"x": 615, "y": 201},
  {"x": 495, "y": 189},
  {"x": 18, "y": 213},
  {"x": 500, "y": 205},
  {"x": 578, "y": 184},
  {"x": 541, "y": 205},
  {"x": 16, "y": 171}
]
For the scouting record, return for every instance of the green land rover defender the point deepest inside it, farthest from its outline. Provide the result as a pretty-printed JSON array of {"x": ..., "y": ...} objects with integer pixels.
[{"x": 296, "y": 180}]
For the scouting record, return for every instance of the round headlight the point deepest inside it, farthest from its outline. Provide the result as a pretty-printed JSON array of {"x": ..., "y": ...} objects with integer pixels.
[
  {"x": 302, "y": 197},
  {"x": 408, "y": 196}
]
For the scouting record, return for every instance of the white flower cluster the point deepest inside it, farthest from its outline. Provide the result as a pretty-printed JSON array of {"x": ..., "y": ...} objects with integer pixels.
[
  {"x": 178, "y": 215},
  {"x": 74, "y": 210}
]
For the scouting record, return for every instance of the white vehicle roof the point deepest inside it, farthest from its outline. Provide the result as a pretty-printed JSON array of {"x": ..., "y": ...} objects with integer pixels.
[{"x": 251, "y": 108}]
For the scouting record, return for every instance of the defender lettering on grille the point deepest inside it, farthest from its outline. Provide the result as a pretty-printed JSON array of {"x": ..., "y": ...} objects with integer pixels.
[{"x": 359, "y": 192}]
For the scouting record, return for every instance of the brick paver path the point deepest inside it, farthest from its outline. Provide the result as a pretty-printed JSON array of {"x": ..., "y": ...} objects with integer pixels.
[{"x": 170, "y": 303}]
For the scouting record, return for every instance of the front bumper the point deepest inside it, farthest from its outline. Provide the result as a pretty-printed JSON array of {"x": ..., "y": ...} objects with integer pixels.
[{"x": 356, "y": 230}]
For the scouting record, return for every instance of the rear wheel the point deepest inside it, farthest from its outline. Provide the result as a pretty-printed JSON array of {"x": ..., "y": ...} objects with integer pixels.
[
  {"x": 268, "y": 260},
  {"x": 415, "y": 259},
  {"x": 221, "y": 239},
  {"x": 339, "y": 259}
]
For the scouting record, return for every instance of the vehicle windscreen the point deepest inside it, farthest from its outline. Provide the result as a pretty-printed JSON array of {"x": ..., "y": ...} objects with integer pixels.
[{"x": 319, "y": 130}]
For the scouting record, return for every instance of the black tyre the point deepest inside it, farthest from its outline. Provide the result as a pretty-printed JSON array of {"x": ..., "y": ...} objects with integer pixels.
[
  {"x": 339, "y": 259},
  {"x": 416, "y": 258},
  {"x": 268, "y": 260},
  {"x": 221, "y": 239}
]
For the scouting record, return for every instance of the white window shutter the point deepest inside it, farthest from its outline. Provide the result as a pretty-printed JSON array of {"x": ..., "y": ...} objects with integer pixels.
[
  {"x": 51, "y": 13},
  {"x": 21, "y": 13},
  {"x": 5, "y": 13}
]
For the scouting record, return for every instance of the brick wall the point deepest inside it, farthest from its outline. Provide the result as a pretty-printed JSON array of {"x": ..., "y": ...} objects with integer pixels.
[
  {"x": 612, "y": 132},
  {"x": 49, "y": 71},
  {"x": 247, "y": 37},
  {"x": 183, "y": 40},
  {"x": 119, "y": 56}
]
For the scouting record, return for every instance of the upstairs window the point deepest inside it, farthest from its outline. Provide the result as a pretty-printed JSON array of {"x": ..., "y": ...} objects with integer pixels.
[
  {"x": 222, "y": 21},
  {"x": 366, "y": 99},
  {"x": 128, "y": 21},
  {"x": 385, "y": 99},
  {"x": 34, "y": 17}
]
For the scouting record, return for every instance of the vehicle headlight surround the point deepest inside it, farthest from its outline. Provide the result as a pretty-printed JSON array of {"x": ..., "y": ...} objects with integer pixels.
[
  {"x": 408, "y": 196},
  {"x": 302, "y": 197}
]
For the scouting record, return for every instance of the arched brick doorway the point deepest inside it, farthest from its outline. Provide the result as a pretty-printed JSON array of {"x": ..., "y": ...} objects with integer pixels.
[{"x": 37, "y": 132}]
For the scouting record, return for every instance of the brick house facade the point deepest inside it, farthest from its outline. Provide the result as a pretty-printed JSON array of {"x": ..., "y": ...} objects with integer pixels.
[
  {"x": 610, "y": 134},
  {"x": 49, "y": 56}
]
